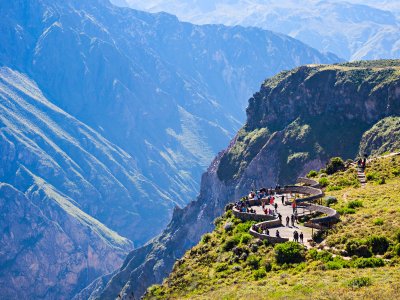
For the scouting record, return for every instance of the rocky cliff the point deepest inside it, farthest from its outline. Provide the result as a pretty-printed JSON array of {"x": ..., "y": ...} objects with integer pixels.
[
  {"x": 170, "y": 94},
  {"x": 296, "y": 122}
]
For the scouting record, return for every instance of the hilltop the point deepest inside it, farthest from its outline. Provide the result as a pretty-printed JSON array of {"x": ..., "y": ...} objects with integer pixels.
[{"x": 358, "y": 258}]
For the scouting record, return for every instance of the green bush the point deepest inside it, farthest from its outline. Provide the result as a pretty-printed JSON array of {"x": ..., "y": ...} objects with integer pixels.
[
  {"x": 382, "y": 180},
  {"x": 396, "y": 172},
  {"x": 378, "y": 221},
  {"x": 330, "y": 200},
  {"x": 346, "y": 211},
  {"x": 231, "y": 243},
  {"x": 253, "y": 261},
  {"x": 354, "y": 204},
  {"x": 333, "y": 265},
  {"x": 246, "y": 238},
  {"x": 289, "y": 252},
  {"x": 372, "y": 262},
  {"x": 258, "y": 274},
  {"x": 359, "y": 282},
  {"x": 378, "y": 244},
  {"x": 333, "y": 188},
  {"x": 323, "y": 182},
  {"x": 358, "y": 248},
  {"x": 312, "y": 174},
  {"x": 267, "y": 265},
  {"x": 244, "y": 227},
  {"x": 206, "y": 238},
  {"x": 220, "y": 267},
  {"x": 371, "y": 176},
  {"x": 335, "y": 164}
]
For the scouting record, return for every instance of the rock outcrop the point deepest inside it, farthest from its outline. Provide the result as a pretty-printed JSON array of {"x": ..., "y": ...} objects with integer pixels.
[{"x": 297, "y": 121}]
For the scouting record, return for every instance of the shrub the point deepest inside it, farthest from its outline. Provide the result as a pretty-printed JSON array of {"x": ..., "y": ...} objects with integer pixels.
[
  {"x": 324, "y": 256},
  {"x": 261, "y": 273},
  {"x": 378, "y": 221},
  {"x": 372, "y": 262},
  {"x": 218, "y": 221},
  {"x": 371, "y": 176},
  {"x": 323, "y": 182},
  {"x": 359, "y": 282},
  {"x": 268, "y": 266},
  {"x": 312, "y": 174},
  {"x": 333, "y": 188},
  {"x": 228, "y": 214},
  {"x": 206, "y": 238},
  {"x": 346, "y": 211},
  {"x": 382, "y": 180},
  {"x": 330, "y": 200},
  {"x": 246, "y": 238},
  {"x": 358, "y": 248},
  {"x": 354, "y": 204},
  {"x": 231, "y": 243},
  {"x": 220, "y": 267},
  {"x": 378, "y": 244},
  {"x": 244, "y": 227},
  {"x": 333, "y": 265},
  {"x": 253, "y": 261},
  {"x": 396, "y": 172},
  {"x": 335, "y": 164},
  {"x": 289, "y": 252}
]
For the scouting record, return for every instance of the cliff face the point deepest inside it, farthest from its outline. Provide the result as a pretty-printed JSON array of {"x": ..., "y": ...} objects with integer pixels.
[
  {"x": 295, "y": 123},
  {"x": 170, "y": 94}
]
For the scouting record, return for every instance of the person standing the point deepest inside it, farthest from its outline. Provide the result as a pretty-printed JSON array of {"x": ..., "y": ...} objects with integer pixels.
[
  {"x": 287, "y": 220},
  {"x": 301, "y": 237},
  {"x": 283, "y": 199},
  {"x": 292, "y": 219}
]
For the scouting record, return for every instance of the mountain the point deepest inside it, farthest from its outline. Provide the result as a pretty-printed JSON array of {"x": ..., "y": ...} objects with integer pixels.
[
  {"x": 347, "y": 262},
  {"x": 53, "y": 169},
  {"x": 108, "y": 118},
  {"x": 169, "y": 94},
  {"x": 295, "y": 123},
  {"x": 352, "y": 30}
]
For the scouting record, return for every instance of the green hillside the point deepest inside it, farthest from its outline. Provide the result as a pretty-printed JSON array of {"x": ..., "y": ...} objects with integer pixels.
[{"x": 359, "y": 258}]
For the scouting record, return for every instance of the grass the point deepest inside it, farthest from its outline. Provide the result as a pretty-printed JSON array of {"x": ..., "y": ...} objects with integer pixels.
[{"x": 249, "y": 268}]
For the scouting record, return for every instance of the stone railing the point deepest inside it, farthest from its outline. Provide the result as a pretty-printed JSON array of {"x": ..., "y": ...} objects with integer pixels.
[
  {"x": 245, "y": 216},
  {"x": 332, "y": 215},
  {"x": 271, "y": 239},
  {"x": 308, "y": 181},
  {"x": 312, "y": 192}
]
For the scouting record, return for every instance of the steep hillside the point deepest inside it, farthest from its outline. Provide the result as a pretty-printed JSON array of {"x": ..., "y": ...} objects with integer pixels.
[
  {"x": 170, "y": 94},
  {"x": 358, "y": 259},
  {"x": 351, "y": 29},
  {"x": 296, "y": 122},
  {"x": 56, "y": 174}
]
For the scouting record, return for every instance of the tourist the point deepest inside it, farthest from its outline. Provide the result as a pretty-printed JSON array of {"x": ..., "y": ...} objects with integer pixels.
[
  {"x": 287, "y": 220},
  {"x": 301, "y": 237},
  {"x": 280, "y": 217},
  {"x": 276, "y": 206},
  {"x": 296, "y": 236},
  {"x": 266, "y": 231},
  {"x": 283, "y": 199},
  {"x": 294, "y": 205},
  {"x": 277, "y": 233},
  {"x": 292, "y": 219}
]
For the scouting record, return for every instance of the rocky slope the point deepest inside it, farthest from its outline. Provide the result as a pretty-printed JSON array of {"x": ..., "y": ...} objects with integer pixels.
[
  {"x": 296, "y": 122},
  {"x": 53, "y": 178},
  {"x": 351, "y": 29},
  {"x": 170, "y": 94}
]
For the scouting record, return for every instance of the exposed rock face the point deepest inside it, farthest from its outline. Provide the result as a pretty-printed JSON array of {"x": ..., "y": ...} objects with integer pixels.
[
  {"x": 295, "y": 123},
  {"x": 170, "y": 94}
]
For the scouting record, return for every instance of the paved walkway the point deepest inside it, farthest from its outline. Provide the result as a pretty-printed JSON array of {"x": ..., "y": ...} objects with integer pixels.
[{"x": 287, "y": 231}]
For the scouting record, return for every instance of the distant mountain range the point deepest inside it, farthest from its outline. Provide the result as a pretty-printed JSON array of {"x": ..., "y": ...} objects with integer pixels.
[
  {"x": 108, "y": 118},
  {"x": 352, "y": 29}
]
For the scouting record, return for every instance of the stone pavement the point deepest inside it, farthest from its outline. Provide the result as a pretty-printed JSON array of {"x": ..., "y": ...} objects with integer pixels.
[{"x": 287, "y": 231}]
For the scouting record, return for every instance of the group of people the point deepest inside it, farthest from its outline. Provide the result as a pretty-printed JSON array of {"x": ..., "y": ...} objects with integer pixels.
[
  {"x": 362, "y": 162},
  {"x": 292, "y": 219},
  {"x": 296, "y": 237}
]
